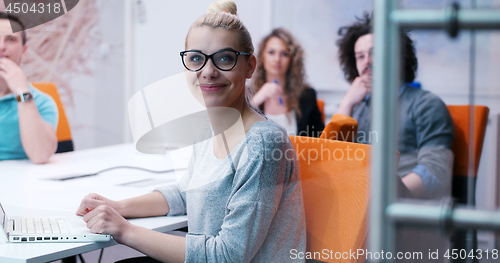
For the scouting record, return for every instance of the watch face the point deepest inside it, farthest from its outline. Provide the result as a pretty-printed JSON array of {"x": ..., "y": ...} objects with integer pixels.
[{"x": 25, "y": 97}]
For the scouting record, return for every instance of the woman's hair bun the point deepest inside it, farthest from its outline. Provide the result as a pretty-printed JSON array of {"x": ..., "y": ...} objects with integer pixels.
[{"x": 227, "y": 6}]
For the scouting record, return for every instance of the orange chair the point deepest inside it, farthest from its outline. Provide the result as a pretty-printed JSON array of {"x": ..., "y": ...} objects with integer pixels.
[
  {"x": 65, "y": 142},
  {"x": 321, "y": 107},
  {"x": 341, "y": 127},
  {"x": 460, "y": 147},
  {"x": 335, "y": 185}
]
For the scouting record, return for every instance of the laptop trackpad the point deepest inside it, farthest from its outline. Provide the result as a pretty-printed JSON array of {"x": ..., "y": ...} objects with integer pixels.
[{"x": 78, "y": 226}]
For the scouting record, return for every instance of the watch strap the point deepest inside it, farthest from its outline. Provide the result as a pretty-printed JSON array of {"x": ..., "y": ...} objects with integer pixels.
[{"x": 24, "y": 97}]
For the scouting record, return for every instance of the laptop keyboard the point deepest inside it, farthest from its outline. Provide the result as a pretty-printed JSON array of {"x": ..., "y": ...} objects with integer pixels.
[{"x": 43, "y": 226}]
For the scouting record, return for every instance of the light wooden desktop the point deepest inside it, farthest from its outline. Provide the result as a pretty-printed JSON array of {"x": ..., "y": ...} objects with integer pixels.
[{"x": 25, "y": 190}]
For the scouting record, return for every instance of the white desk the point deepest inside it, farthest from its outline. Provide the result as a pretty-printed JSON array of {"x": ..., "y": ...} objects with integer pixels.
[{"x": 25, "y": 191}]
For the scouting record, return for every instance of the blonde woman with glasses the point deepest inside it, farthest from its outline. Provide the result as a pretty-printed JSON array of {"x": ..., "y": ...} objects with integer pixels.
[{"x": 252, "y": 209}]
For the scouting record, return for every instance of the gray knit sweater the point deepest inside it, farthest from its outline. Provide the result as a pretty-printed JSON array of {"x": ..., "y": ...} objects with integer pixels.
[{"x": 247, "y": 207}]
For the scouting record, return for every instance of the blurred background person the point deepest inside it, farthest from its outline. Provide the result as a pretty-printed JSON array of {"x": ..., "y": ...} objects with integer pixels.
[
  {"x": 28, "y": 117},
  {"x": 281, "y": 91},
  {"x": 425, "y": 127}
]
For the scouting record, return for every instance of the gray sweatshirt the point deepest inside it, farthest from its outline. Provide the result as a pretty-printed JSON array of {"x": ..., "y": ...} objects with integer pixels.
[
  {"x": 247, "y": 207},
  {"x": 425, "y": 135}
]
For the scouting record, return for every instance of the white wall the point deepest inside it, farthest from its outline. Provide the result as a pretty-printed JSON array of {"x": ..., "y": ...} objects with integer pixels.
[{"x": 96, "y": 118}]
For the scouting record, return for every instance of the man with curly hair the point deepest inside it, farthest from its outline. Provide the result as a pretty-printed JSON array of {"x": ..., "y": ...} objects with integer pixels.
[
  {"x": 425, "y": 127},
  {"x": 28, "y": 117}
]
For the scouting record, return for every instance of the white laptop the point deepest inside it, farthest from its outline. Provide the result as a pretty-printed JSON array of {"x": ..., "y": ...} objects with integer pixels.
[{"x": 46, "y": 229}]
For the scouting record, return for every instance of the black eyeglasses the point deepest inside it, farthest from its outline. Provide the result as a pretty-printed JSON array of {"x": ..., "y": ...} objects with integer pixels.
[{"x": 224, "y": 59}]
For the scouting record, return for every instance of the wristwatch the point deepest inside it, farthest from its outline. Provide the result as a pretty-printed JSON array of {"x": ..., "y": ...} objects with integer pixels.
[{"x": 24, "y": 97}]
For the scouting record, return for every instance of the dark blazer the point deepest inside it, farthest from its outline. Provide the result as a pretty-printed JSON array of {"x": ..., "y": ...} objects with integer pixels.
[{"x": 309, "y": 123}]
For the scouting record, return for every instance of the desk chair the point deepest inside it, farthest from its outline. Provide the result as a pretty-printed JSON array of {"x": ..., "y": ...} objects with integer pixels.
[
  {"x": 341, "y": 127},
  {"x": 64, "y": 140},
  {"x": 335, "y": 187},
  {"x": 460, "y": 147},
  {"x": 321, "y": 107}
]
